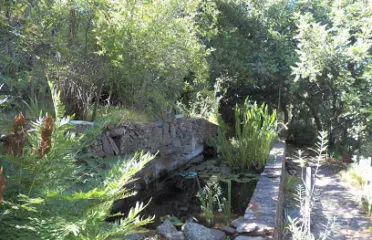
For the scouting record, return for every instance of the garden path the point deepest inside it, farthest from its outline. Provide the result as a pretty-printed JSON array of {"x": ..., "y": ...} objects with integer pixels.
[{"x": 340, "y": 201}]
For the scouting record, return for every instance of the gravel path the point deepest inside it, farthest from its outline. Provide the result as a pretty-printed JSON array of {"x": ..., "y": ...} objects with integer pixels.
[{"x": 340, "y": 201}]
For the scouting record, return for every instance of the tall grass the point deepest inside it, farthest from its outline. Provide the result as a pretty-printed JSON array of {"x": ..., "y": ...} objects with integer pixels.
[
  {"x": 255, "y": 130},
  {"x": 359, "y": 175}
]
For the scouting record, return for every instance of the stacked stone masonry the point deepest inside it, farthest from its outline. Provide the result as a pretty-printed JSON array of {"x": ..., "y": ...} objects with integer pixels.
[{"x": 176, "y": 143}]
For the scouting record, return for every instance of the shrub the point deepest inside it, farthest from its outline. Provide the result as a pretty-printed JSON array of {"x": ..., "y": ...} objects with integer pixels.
[{"x": 255, "y": 130}]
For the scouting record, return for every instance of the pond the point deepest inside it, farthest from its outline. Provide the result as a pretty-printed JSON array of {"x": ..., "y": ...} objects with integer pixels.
[{"x": 174, "y": 195}]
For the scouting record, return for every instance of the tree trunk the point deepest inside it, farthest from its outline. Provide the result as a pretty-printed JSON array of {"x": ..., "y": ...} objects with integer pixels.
[{"x": 313, "y": 111}]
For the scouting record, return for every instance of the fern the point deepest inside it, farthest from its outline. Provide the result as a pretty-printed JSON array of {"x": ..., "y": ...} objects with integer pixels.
[{"x": 59, "y": 108}]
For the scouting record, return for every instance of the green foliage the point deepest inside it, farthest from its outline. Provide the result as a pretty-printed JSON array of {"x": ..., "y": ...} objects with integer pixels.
[
  {"x": 226, "y": 204},
  {"x": 253, "y": 52},
  {"x": 205, "y": 104},
  {"x": 208, "y": 197},
  {"x": 224, "y": 146},
  {"x": 332, "y": 70},
  {"x": 121, "y": 115},
  {"x": 53, "y": 197},
  {"x": 255, "y": 130},
  {"x": 153, "y": 46},
  {"x": 290, "y": 186},
  {"x": 359, "y": 176},
  {"x": 138, "y": 54}
]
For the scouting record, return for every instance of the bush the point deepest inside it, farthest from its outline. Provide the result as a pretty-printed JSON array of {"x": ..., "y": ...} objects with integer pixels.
[{"x": 255, "y": 130}]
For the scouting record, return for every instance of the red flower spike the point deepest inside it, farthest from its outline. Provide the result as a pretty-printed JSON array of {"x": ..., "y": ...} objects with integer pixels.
[
  {"x": 19, "y": 124},
  {"x": 46, "y": 136},
  {"x": 2, "y": 184}
]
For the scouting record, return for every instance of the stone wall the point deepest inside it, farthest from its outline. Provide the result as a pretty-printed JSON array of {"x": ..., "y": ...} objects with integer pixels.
[
  {"x": 177, "y": 143},
  {"x": 264, "y": 215}
]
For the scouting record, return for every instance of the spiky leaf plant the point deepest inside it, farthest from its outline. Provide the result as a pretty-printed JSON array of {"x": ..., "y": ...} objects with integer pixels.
[{"x": 255, "y": 130}]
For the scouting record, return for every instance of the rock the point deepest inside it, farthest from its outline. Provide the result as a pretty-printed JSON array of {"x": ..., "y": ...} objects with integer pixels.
[
  {"x": 107, "y": 149},
  {"x": 228, "y": 230},
  {"x": 173, "y": 132},
  {"x": 237, "y": 222},
  {"x": 115, "y": 148},
  {"x": 194, "y": 231},
  {"x": 166, "y": 138},
  {"x": 251, "y": 226},
  {"x": 169, "y": 231},
  {"x": 248, "y": 238},
  {"x": 134, "y": 236},
  {"x": 247, "y": 227},
  {"x": 117, "y": 132},
  {"x": 176, "y": 142},
  {"x": 249, "y": 214}
]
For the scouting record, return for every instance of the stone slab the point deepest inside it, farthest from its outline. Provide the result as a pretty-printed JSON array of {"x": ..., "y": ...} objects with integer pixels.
[{"x": 260, "y": 216}]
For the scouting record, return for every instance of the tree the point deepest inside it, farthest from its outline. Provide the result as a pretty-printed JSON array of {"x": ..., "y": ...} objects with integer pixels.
[{"x": 331, "y": 72}]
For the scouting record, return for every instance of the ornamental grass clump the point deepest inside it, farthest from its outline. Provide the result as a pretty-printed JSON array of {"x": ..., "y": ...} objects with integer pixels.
[{"x": 255, "y": 131}]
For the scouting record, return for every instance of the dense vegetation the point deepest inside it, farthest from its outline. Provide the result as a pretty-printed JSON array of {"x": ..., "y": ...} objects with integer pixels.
[{"x": 310, "y": 61}]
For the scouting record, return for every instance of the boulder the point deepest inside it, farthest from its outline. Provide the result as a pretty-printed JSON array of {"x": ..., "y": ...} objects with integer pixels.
[
  {"x": 115, "y": 132},
  {"x": 227, "y": 230},
  {"x": 248, "y": 227},
  {"x": 194, "y": 231},
  {"x": 169, "y": 231},
  {"x": 114, "y": 147},
  {"x": 134, "y": 236},
  {"x": 107, "y": 148},
  {"x": 248, "y": 238}
]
